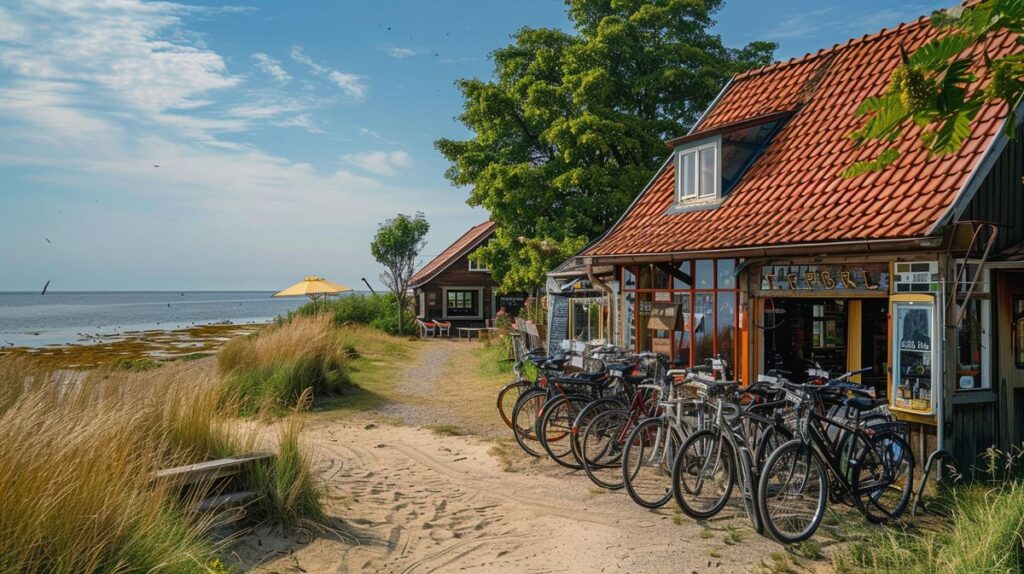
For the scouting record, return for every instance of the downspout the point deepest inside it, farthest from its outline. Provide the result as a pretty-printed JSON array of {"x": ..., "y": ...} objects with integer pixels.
[{"x": 589, "y": 266}]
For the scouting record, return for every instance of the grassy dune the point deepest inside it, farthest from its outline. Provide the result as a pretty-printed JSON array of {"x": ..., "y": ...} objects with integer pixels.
[{"x": 77, "y": 450}]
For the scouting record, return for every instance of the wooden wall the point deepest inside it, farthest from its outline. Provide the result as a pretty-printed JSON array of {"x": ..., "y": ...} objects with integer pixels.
[
  {"x": 1000, "y": 199},
  {"x": 457, "y": 275}
]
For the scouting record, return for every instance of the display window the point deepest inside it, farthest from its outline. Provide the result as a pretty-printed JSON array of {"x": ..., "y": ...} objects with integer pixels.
[
  {"x": 688, "y": 310},
  {"x": 914, "y": 373}
]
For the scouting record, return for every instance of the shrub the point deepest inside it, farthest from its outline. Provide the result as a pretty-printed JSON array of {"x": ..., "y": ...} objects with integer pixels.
[{"x": 379, "y": 311}]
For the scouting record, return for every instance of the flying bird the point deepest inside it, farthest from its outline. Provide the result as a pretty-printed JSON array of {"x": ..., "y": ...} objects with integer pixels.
[
  {"x": 47, "y": 240},
  {"x": 156, "y": 165},
  {"x": 45, "y": 287}
]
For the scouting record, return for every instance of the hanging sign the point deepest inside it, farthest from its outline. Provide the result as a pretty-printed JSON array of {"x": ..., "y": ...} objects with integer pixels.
[{"x": 838, "y": 279}]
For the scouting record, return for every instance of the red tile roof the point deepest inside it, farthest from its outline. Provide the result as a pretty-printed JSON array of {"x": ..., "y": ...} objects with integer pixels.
[
  {"x": 463, "y": 245},
  {"x": 793, "y": 193}
]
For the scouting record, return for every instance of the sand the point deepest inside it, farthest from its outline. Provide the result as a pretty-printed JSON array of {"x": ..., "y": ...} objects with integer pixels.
[{"x": 408, "y": 500}]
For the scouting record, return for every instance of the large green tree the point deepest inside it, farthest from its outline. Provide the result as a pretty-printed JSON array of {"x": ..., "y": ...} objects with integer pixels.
[
  {"x": 936, "y": 88},
  {"x": 573, "y": 124}
]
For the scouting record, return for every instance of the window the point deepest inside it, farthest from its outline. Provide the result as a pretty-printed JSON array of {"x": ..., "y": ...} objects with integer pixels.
[
  {"x": 474, "y": 266},
  {"x": 463, "y": 303},
  {"x": 421, "y": 308},
  {"x": 972, "y": 346},
  {"x": 689, "y": 309},
  {"x": 697, "y": 175}
]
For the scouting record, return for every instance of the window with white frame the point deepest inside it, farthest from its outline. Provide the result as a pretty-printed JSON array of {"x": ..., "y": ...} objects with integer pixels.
[
  {"x": 973, "y": 334},
  {"x": 474, "y": 266},
  {"x": 697, "y": 173}
]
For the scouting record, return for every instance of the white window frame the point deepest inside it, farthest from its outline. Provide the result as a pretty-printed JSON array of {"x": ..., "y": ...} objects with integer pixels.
[
  {"x": 480, "y": 303},
  {"x": 422, "y": 306},
  {"x": 699, "y": 194},
  {"x": 984, "y": 289},
  {"x": 477, "y": 268}
]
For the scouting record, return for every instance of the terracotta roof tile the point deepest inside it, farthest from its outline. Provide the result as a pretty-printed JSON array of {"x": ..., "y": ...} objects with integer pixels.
[
  {"x": 793, "y": 192},
  {"x": 462, "y": 245}
]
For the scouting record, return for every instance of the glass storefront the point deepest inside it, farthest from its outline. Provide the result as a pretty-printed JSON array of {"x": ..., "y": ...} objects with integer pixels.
[{"x": 687, "y": 310}]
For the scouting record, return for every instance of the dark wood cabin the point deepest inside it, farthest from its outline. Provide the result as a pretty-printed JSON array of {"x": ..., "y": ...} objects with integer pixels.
[{"x": 453, "y": 288}]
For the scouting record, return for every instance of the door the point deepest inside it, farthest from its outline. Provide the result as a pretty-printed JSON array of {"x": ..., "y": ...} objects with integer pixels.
[{"x": 1010, "y": 355}]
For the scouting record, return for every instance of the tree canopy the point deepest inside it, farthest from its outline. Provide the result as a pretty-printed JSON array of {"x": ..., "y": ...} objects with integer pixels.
[
  {"x": 395, "y": 246},
  {"x": 936, "y": 89},
  {"x": 572, "y": 125}
]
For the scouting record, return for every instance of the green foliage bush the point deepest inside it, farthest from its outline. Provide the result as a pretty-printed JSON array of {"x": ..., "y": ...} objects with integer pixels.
[{"x": 379, "y": 311}]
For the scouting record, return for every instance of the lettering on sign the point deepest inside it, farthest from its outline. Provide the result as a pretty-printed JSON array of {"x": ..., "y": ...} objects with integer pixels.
[{"x": 853, "y": 278}]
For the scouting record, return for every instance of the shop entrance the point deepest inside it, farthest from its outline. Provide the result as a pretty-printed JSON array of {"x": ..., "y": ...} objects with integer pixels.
[{"x": 835, "y": 334}]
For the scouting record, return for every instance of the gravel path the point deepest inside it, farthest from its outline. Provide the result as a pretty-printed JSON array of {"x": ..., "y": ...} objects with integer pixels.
[{"x": 418, "y": 385}]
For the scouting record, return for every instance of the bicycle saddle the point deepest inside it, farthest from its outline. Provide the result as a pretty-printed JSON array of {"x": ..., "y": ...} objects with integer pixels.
[
  {"x": 554, "y": 363},
  {"x": 863, "y": 403}
]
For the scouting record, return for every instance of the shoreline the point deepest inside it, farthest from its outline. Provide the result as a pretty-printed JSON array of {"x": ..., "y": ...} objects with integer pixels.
[{"x": 163, "y": 345}]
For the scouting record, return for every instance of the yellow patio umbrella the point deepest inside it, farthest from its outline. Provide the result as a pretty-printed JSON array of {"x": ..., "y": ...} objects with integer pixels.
[{"x": 313, "y": 287}]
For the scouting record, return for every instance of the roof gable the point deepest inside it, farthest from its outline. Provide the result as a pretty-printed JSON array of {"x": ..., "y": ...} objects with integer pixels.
[
  {"x": 463, "y": 245},
  {"x": 793, "y": 193}
]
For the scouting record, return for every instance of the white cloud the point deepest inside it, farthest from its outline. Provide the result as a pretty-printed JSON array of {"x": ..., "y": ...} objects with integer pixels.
[
  {"x": 400, "y": 53},
  {"x": 352, "y": 85},
  {"x": 304, "y": 121},
  {"x": 380, "y": 162},
  {"x": 271, "y": 67},
  {"x": 9, "y": 29}
]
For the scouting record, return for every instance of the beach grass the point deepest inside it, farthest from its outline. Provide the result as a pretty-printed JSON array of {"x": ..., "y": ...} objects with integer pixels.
[
  {"x": 270, "y": 370},
  {"x": 77, "y": 452}
]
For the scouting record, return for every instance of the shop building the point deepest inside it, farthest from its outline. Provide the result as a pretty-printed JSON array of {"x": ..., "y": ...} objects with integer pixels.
[{"x": 748, "y": 243}]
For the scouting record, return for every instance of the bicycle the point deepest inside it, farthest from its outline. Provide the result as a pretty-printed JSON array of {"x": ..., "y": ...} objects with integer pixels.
[{"x": 873, "y": 466}]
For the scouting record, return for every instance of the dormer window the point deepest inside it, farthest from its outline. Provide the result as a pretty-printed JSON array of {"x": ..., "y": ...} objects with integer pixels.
[
  {"x": 697, "y": 172},
  {"x": 710, "y": 164},
  {"x": 474, "y": 266}
]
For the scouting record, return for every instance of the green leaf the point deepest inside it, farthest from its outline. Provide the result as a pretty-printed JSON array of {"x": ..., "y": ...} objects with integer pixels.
[
  {"x": 885, "y": 159},
  {"x": 939, "y": 51}
]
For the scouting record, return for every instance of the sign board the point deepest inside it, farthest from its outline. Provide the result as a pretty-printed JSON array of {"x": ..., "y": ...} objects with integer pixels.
[
  {"x": 916, "y": 277},
  {"x": 834, "y": 279},
  {"x": 558, "y": 322},
  {"x": 512, "y": 303},
  {"x": 662, "y": 345}
]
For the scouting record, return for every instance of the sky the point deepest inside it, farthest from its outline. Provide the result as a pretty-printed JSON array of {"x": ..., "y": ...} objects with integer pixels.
[{"x": 193, "y": 145}]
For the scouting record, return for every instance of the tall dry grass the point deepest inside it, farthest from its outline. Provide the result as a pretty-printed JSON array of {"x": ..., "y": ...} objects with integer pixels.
[
  {"x": 76, "y": 454},
  {"x": 77, "y": 451},
  {"x": 270, "y": 370}
]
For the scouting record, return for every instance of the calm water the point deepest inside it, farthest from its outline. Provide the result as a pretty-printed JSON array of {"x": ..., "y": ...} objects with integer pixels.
[{"x": 57, "y": 318}]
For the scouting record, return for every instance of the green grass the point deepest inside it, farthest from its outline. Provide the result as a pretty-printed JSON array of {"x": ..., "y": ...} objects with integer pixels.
[
  {"x": 290, "y": 494},
  {"x": 493, "y": 360},
  {"x": 984, "y": 532}
]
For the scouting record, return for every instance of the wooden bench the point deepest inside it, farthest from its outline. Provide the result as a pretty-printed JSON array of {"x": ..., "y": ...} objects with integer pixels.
[{"x": 208, "y": 470}]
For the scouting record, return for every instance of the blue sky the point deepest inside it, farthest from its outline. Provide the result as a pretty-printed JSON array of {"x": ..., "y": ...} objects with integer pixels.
[{"x": 283, "y": 131}]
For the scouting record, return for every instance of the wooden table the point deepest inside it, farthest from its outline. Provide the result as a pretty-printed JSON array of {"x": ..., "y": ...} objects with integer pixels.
[{"x": 469, "y": 331}]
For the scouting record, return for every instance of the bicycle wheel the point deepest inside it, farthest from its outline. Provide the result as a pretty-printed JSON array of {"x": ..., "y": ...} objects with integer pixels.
[
  {"x": 524, "y": 417},
  {"x": 769, "y": 438},
  {"x": 650, "y": 449},
  {"x": 554, "y": 429},
  {"x": 883, "y": 477},
  {"x": 792, "y": 492},
  {"x": 582, "y": 421},
  {"x": 508, "y": 396},
  {"x": 601, "y": 447},
  {"x": 703, "y": 474}
]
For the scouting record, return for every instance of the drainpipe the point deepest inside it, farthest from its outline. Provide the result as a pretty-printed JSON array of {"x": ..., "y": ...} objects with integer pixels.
[{"x": 612, "y": 315}]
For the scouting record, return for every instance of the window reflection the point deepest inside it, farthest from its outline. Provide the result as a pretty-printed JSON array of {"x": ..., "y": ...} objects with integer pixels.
[{"x": 705, "y": 274}]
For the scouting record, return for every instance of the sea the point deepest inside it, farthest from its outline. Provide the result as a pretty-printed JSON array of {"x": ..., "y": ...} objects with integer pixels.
[{"x": 63, "y": 317}]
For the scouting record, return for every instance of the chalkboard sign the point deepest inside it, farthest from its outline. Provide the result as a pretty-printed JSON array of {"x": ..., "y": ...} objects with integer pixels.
[
  {"x": 558, "y": 322},
  {"x": 512, "y": 303}
]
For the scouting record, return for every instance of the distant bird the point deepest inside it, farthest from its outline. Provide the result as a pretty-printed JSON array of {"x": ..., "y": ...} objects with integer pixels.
[
  {"x": 156, "y": 165},
  {"x": 45, "y": 287},
  {"x": 47, "y": 240}
]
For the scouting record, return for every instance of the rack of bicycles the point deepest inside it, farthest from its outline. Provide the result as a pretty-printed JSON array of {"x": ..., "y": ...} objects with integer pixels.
[{"x": 786, "y": 449}]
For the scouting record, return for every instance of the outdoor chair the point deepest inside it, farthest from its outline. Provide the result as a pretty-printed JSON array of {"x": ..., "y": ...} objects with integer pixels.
[
  {"x": 427, "y": 328},
  {"x": 443, "y": 328}
]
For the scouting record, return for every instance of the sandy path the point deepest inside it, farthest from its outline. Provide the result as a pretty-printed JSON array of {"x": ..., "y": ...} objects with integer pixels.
[{"x": 416, "y": 502}]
